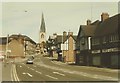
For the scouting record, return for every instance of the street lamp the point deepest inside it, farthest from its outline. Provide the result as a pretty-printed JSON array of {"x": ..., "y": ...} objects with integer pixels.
[
  {"x": 7, "y": 46},
  {"x": 24, "y": 47}
]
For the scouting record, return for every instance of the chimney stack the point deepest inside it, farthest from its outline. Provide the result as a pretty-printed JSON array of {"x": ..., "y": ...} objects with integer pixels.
[
  {"x": 88, "y": 22},
  {"x": 64, "y": 33},
  {"x": 104, "y": 16},
  {"x": 70, "y": 33}
]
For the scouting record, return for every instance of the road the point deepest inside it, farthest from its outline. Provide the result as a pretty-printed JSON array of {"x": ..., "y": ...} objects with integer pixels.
[{"x": 44, "y": 69}]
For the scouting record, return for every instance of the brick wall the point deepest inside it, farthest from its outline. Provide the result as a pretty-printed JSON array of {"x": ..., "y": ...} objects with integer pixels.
[{"x": 17, "y": 49}]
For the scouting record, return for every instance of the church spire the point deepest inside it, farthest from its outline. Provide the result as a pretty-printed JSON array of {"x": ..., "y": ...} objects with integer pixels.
[{"x": 42, "y": 27}]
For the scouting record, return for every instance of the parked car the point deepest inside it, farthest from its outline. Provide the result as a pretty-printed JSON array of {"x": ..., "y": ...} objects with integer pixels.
[
  {"x": 29, "y": 61},
  {"x": 1, "y": 58}
]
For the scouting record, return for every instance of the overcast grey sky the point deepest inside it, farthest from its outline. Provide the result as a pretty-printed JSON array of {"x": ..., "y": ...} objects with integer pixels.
[{"x": 59, "y": 16}]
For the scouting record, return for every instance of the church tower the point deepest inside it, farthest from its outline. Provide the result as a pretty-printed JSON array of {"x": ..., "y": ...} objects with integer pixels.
[{"x": 42, "y": 33}]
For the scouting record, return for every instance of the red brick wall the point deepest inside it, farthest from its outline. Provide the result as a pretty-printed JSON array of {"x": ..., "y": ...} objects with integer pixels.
[{"x": 17, "y": 49}]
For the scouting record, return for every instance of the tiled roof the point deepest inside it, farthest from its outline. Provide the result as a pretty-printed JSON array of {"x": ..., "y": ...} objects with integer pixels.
[
  {"x": 89, "y": 30},
  {"x": 108, "y": 26},
  {"x": 23, "y": 37},
  {"x": 58, "y": 39},
  {"x": 74, "y": 37}
]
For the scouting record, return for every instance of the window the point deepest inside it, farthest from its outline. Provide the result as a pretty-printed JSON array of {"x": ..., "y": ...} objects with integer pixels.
[
  {"x": 42, "y": 36},
  {"x": 114, "y": 38},
  {"x": 83, "y": 41},
  {"x": 104, "y": 40},
  {"x": 95, "y": 41}
]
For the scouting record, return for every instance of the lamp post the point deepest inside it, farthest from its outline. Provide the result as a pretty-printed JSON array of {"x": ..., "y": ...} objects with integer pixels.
[
  {"x": 24, "y": 47},
  {"x": 7, "y": 46}
]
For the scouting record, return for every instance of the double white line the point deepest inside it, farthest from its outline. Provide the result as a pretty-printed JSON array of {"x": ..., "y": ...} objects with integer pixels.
[{"x": 14, "y": 76}]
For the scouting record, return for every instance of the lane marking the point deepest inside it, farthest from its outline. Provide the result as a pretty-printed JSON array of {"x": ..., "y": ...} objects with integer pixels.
[
  {"x": 38, "y": 72},
  {"x": 59, "y": 73},
  {"x": 51, "y": 77},
  {"x": 23, "y": 73},
  {"x": 29, "y": 75},
  {"x": 16, "y": 73},
  {"x": 12, "y": 74}
]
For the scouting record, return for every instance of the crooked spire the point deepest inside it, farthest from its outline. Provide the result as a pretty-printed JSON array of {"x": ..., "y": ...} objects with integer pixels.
[{"x": 42, "y": 27}]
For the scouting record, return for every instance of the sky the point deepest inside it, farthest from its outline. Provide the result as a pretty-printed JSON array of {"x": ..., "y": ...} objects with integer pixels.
[{"x": 25, "y": 17}]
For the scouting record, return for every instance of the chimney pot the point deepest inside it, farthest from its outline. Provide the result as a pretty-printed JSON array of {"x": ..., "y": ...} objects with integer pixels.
[
  {"x": 88, "y": 22},
  {"x": 104, "y": 16},
  {"x": 70, "y": 33}
]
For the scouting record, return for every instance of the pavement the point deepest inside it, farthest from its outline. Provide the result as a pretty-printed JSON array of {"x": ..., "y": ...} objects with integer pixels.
[
  {"x": 87, "y": 67},
  {"x": 6, "y": 72}
]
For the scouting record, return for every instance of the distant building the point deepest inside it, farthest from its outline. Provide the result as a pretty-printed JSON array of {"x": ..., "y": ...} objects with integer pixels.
[
  {"x": 17, "y": 45},
  {"x": 42, "y": 35},
  {"x": 68, "y": 47},
  {"x": 3, "y": 41},
  {"x": 64, "y": 43}
]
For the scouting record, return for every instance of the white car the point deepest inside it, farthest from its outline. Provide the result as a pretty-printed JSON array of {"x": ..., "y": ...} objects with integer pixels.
[
  {"x": 1, "y": 58},
  {"x": 29, "y": 61}
]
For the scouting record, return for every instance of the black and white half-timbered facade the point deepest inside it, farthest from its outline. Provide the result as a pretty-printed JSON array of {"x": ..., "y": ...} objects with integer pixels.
[
  {"x": 105, "y": 43},
  {"x": 98, "y": 43}
]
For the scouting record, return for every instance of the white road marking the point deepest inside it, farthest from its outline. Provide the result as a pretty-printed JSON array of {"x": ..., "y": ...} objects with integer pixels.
[
  {"x": 23, "y": 73},
  {"x": 12, "y": 73},
  {"x": 38, "y": 72},
  {"x": 29, "y": 75},
  {"x": 59, "y": 73},
  {"x": 16, "y": 73},
  {"x": 51, "y": 77}
]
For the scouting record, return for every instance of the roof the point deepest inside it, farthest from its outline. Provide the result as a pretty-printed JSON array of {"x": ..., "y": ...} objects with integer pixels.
[
  {"x": 42, "y": 27},
  {"x": 97, "y": 22},
  {"x": 59, "y": 39},
  {"x": 108, "y": 26},
  {"x": 15, "y": 36},
  {"x": 74, "y": 37},
  {"x": 88, "y": 30}
]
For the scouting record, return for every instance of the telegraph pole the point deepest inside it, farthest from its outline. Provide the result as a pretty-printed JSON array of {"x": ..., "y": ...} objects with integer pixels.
[{"x": 7, "y": 46}]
